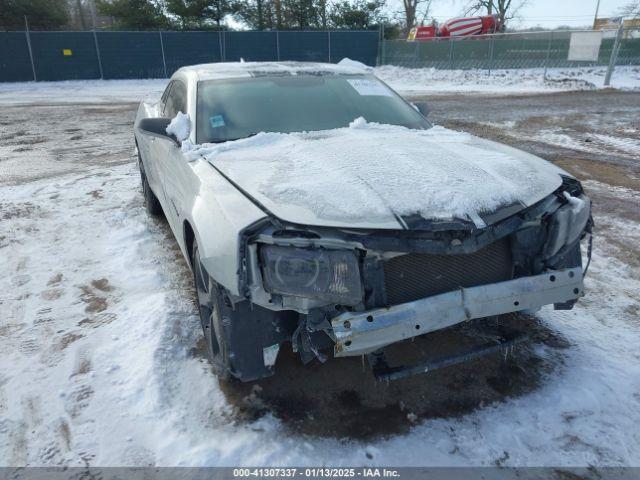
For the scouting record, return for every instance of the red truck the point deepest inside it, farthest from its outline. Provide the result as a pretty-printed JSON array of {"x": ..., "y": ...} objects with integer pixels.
[{"x": 457, "y": 27}]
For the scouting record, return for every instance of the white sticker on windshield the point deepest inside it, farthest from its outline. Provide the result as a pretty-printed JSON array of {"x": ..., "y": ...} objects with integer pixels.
[{"x": 367, "y": 87}]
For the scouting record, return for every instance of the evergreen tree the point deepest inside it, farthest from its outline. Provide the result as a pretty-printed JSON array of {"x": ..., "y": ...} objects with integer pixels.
[
  {"x": 201, "y": 13},
  {"x": 41, "y": 14},
  {"x": 358, "y": 14},
  {"x": 134, "y": 14}
]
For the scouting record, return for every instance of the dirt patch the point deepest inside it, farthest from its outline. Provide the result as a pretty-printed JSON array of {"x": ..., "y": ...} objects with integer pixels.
[
  {"x": 95, "y": 304},
  {"x": 55, "y": 280},
  {"x": 52, "y": 294},
  {"x": 78, "y": 399},
  {"x": 67, "y": 339},
  {"x": 102, "y": 284},
  {"x": 10, "y": 211},
  {"x": 98, "y": 320},
  {"x": 82, "y": 368},
  {"x": 65, "y": 434},
  {"x": 9, "y": 329},
  {"x": 342, "y": 399}
]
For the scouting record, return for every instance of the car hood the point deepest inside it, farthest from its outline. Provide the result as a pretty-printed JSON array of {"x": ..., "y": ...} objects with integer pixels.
[{"x": 380, "y": 176}]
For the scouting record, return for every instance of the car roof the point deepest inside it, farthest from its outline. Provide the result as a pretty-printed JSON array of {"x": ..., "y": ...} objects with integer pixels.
[{"x": 225, "y": 70}]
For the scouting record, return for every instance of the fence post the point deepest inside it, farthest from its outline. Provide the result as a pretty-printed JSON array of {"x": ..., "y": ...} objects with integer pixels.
[
  {"x": 164, "y": 61},
  {"x": 416, "y": 54},
  {"x": 278, "y": 45},
  {"x": 491, "y": 54},
  {"x": 614, "y": 56},
  {"x": 95, "y": 42},
  {"x": 329, "y": 39},
  {"x": 380, "y": 59},
  {"x": 220, "y": 45},
  {"x": 546, "y": 61},
  {"x": 33, "y": 65},
  {"x": 450, "y": 53}
]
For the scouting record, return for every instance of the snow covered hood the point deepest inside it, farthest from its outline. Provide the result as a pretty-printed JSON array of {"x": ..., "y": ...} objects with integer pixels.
[{"x": 368, "y": 175}]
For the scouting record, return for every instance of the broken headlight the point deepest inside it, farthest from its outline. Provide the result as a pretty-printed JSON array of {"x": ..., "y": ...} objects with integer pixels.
[
  {"x": 568, "y": 223},
  {"x": 330, "y": 275}
]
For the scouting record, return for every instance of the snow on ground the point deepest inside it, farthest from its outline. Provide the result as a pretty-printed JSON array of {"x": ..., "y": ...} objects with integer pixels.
[
  {"x": 98, "y": 329},
  {"x": 418, "y": 81},
  {"x": 408, "y": 81},
  {"x": 79, "y": 91}
]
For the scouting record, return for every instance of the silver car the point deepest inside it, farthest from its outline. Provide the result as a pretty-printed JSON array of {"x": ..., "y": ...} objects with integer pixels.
[{"x": 319, "y": 209}]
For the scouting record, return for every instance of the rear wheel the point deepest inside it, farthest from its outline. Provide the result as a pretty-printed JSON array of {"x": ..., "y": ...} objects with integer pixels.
[{"x": 150, "y": 200}]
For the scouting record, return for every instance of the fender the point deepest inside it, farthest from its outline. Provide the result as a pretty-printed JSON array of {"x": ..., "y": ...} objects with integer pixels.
[{"x": 218, "y": 216}]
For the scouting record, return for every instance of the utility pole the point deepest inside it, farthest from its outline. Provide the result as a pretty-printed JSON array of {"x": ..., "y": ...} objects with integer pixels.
[
  {"x": 614, "y": 55},
  {"x": 595, "y": 19}
]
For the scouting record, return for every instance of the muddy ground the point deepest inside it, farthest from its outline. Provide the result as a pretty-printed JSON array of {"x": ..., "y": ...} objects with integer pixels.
[{"x": 594, "y": 135}]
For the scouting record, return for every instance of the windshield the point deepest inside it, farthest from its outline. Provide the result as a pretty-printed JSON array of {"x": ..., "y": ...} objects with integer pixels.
[{"x": 238, "y": 108}]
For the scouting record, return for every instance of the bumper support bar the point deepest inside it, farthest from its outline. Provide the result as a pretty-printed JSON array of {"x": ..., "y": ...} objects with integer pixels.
[
  {"x": 360, "y": 333},
  {"x": 384, "y": 372}
]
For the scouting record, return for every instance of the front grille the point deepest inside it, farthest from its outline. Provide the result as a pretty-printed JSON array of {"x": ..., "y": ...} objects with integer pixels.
[{"x": 413, "y": 276}]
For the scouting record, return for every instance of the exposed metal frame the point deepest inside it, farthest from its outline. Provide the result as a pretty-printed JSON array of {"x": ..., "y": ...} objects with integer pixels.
[{"x": 359, "y": 333}]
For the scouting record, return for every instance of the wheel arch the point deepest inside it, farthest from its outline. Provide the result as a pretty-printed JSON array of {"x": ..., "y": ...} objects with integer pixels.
[{"x": 189, "y": 236}]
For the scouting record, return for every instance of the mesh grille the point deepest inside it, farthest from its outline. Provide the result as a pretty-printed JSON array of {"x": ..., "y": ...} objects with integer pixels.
[{"x": 414, "y": 276}]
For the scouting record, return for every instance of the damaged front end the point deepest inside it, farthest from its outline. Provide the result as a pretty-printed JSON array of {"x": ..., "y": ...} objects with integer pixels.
[{"x": 356, "y": 292}]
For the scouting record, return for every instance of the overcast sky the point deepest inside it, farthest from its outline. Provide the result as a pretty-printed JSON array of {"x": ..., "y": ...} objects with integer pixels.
[{"x": 546, "y": 13}]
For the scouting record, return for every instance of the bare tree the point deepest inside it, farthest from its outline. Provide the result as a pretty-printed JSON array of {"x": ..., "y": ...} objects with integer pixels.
[
  {"x": 413, "y": 9},
  {"x": 505, "y": 9},
  {"x": 632, "y": 9}
]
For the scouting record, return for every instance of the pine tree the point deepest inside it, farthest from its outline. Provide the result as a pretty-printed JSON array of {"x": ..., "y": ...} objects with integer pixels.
[
  {"x": 201, "y": 13},
  {"x": 134, "y": 14},
  {"x": 41, "y": 14}
]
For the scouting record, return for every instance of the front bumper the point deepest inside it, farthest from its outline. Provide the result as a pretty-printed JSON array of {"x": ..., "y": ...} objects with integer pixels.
[{"x": 359, "y": 333}]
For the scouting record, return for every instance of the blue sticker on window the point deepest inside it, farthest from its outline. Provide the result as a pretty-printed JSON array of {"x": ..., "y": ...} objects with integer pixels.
[{"x": 217, "y": 121}]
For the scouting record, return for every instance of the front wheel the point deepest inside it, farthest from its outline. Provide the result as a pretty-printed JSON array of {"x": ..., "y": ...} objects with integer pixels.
[
  {"x": 241, "y": 337},
  {"x": 209, "y": 301}
]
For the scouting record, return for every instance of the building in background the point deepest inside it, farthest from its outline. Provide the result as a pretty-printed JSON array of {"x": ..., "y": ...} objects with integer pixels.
[{"x": 611, "y": 24}]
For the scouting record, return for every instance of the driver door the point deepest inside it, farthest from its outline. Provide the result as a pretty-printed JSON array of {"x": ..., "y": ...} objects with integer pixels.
[{"x": 173, "y": 164}]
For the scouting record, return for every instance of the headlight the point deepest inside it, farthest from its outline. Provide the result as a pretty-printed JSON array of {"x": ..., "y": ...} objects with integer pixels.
[
  {"x": 568, "y": 223},
  {"x": 331, "y": 275}
]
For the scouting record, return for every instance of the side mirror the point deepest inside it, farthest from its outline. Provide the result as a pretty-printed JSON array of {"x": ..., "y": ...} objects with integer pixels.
[
  {"x": 423, "y": 108},
  {"x": 157, "y": 127}
]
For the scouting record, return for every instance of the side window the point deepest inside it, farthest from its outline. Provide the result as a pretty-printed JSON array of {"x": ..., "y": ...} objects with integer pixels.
[
  {"x": 165, "y": 95},
  {"x": 176, "y": 100}
]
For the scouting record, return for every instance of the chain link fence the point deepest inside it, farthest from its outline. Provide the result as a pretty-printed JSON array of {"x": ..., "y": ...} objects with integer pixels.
[
  {"x": 61, "y": 55},
  {"x": 508, "y": 51}
]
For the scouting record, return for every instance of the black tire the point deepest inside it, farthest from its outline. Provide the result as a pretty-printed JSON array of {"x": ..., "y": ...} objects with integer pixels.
[
  {"x": 210, "y": 298},
  {"x": 151, "y": 202}
]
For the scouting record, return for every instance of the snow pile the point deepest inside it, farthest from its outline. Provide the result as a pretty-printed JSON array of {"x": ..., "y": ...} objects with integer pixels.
[
  {"x": 359, "y": 122},
  {"x": 347, "y": 62},
  {"x": 432, "y": 81},
  {"x": 436, "y": 173},
  {"x": 180, "y": 126}
]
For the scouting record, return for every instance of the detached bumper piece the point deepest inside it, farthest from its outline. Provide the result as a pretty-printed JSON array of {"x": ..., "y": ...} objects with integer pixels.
[
  {"x": 383, "y": 372},
  {"x": 360, "y": 333}
]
